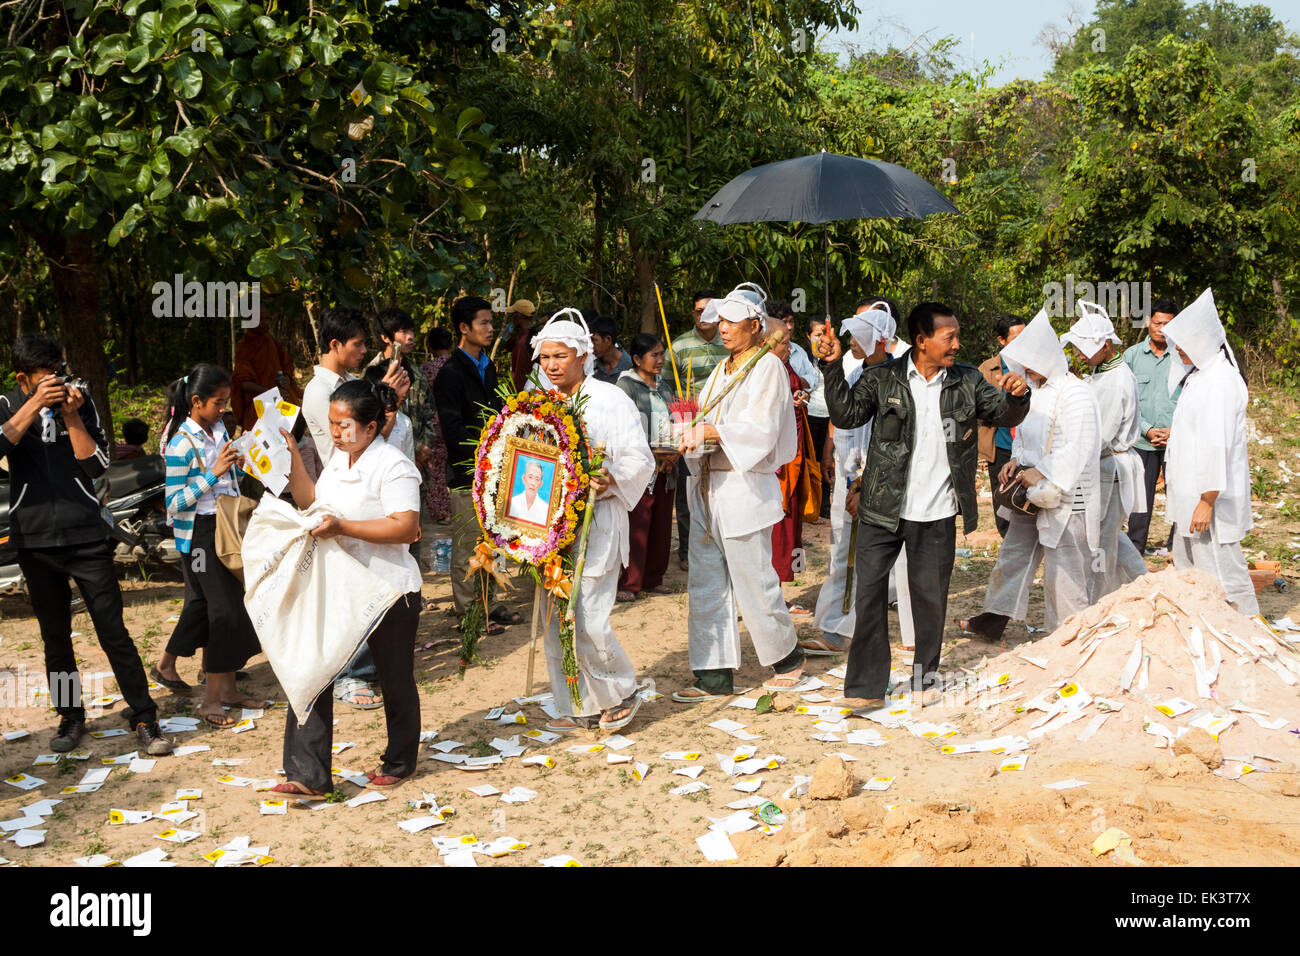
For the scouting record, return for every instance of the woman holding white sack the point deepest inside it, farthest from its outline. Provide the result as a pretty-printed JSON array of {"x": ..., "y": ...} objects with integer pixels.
[
  {"x": 1207, "y": 468},
  {"x": 871, "y": 331},
  {"x": 1122, "y": 493},
  {"x": 375, "y": 490},
  {"x": 1059, "y": 446}
]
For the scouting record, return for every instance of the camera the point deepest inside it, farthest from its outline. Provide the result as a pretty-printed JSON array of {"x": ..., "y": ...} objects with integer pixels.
[{"x": 63, "y": 378}]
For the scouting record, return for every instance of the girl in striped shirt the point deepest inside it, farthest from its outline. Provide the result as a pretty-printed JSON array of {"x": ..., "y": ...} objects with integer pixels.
[{"x": 199, "y": 468}]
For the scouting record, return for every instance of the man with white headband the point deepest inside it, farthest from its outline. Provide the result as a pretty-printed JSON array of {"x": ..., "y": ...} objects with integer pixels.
[
  {"x": 735, "y": 499},
  {"x": 1207, "y": 469},
  {"x": 871, "y": 331},
  {"x": 1059, "y": 447},
  {"x": 606, "y": 678},
  {"x": 1116, "y": 391},
  {"x": 920, "y": 474}
]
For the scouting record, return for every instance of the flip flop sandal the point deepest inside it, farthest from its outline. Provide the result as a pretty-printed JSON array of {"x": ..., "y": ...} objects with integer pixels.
[
  {"x": 298, "y": 789},
  {"x": 694, "y": 695},
  {"x": 798, "y": 610},
  {"x": 220, "y": 721},
  {"x": 800, "y": 684},
  {"x": 382, "y": 779},
  {"x": 820, "y": 647},
  {"x": 350, "y": 689},
  {"x": 633, "y": 702},
  {"x": 177, "y": 685},
  {"x": 625, "y": 597},
  {"x": 579, "y": 723},
  {"x": 503, "y": 615}
]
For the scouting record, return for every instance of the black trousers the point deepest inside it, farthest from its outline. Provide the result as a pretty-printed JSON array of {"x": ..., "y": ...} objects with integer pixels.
[
  {"x": 683, "y": 512},
  {"x": 213, "y": 615},
  {"x": 1139, "y": 524},
  {"x": 819, "y": 427},
  {"x": 307, "y": 757},
  {"x": 931, "y": 547},
  {"x": 47, "y": 571},
  {"x": 1000, "y": 457}
]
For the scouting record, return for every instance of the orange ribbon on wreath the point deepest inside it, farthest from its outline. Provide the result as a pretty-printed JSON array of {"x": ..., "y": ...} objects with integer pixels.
[
  {"x": 554, "y": 579},
  {"x": 484, "y": 559}
]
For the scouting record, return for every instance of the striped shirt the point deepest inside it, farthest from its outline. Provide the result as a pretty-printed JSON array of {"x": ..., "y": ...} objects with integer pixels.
[
  {"x": 191, "y": 486},
  {"x": 695, "y": 359}
]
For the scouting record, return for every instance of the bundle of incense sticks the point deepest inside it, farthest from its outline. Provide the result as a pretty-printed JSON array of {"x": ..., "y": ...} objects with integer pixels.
[{"x": 684, "y": 409}]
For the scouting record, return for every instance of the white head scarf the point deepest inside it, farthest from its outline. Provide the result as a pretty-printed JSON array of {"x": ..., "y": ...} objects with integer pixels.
[
  {"x": 745, "y": 301},
  {"x": 1092, "y": 331},
  {"x": 871, "y": 326},
  {"x": 1037, "y": 347},
  {"x": 571, "y": 332},
  {"x": 1198, "y": 332}
]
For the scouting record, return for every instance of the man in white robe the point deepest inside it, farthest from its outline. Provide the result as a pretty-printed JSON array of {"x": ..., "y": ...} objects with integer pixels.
[
  {"x": 735, "y": 499},
  {"x": 871, "y": 331},
  {"x": 1059, "y": 442},
  {"x": 606, "y": 678},
  {"x": 1207, "y": 469},
  {"x": 1116, "y": 391}
]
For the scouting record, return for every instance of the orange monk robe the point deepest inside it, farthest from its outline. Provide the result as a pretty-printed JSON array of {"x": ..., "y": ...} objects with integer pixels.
[{"x": 259, "y": 358}]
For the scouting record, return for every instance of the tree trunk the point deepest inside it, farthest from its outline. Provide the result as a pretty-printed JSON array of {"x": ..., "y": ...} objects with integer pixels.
[
  {"x": 597, "y": 247},
  {"x": 645, "y": 261},
  {"x": 75, "y": 277}
]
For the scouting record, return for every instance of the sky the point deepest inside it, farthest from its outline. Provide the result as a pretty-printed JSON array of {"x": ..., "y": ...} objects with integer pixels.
[{"x": 1004, "y": 32}]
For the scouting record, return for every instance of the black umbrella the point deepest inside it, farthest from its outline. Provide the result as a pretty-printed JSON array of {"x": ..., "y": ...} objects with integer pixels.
[{"x": 822, "y": 188}]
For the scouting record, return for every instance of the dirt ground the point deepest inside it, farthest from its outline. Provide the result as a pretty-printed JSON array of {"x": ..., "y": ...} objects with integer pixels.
[{"x": 945, "y": 810}]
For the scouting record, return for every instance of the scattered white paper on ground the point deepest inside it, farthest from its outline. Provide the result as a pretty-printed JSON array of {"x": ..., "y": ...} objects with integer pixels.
[
  {"x": 691, "y": 772},
  {"x": 716, "y": 847},
  {"x": 484, "y": 790},
  {"x": 1067, "y": 784},
  {"x": 370, "y": 796},
  {"x": 562, "y": 860},
  {"x": 141, "y": 765},
  {"x": 24, "y": 781},
  {"x": 416, "y": 824},
  {"x": 695, "y": 786},
  {"x": 748, "y": 786},
  {"x": 879, "y": 783}
]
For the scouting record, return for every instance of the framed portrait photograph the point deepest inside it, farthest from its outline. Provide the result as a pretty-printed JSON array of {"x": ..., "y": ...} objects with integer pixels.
[{"x": 529, "y": 490}]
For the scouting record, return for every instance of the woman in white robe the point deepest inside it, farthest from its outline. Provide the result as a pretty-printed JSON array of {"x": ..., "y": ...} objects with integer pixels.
[
  {"x": 1116, "y": 391},
  {"x": 735, "y": 499},
  {"x": 1207, "y": 468},
  {"x": 606, "y": 677},
  {"x": 1059, "y": 442}
]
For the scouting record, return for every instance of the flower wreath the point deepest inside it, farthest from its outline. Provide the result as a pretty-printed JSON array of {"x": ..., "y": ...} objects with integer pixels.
[{"x": 549, "y": 418}]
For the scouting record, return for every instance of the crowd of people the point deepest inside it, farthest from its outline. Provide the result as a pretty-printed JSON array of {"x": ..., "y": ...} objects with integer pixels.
[{"x": 884, "y": 438}]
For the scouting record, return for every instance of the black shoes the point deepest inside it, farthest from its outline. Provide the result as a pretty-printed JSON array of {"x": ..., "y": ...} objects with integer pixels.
[
  {"x": 68, "y": 735},
  {"x": 151, "y": 738}
]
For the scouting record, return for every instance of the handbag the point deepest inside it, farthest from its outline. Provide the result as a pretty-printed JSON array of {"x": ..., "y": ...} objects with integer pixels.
[
  {"x": 1014, "y": 496},
  {"x": 233, "y": 514}
]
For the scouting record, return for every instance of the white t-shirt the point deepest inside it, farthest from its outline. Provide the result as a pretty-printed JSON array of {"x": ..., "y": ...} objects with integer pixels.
[{"x": 382, "y": 482}]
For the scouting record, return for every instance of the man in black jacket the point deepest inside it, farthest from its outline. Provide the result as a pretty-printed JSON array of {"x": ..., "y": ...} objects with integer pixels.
[
  {"x": 465, "y": 393},
  {"x": 52, "y": 437},
  {"x": 920, "y": 472}
]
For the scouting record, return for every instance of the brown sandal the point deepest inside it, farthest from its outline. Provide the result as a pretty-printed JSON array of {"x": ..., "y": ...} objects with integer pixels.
[{"x": 300, "y": 789}]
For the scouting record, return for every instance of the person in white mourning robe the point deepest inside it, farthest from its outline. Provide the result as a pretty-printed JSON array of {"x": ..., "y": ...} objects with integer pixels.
[
  {"x": 1059, "y": 445},
  {"x": 735, "y": 499},
  {"x": 1207, "y": 469},
  {"x": 1116, "y": 391},
  {"x": 871, "y": 332},
  {"x": 606, "y": 677}
]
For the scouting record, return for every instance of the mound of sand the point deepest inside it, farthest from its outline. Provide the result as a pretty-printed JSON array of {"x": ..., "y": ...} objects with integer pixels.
[{"x": 1145, "y": 666}]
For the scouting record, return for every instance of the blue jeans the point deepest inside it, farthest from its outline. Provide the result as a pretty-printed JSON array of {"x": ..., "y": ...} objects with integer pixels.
[{"x": 362, "y": 667}]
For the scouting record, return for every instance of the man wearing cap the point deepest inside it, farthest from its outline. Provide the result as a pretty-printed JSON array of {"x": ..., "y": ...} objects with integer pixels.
[
  {"x": 519, "y": 319},
  {"x": 920, "y": 473},
  {"x": 1059, "y": 445},
  {"x": 1117, "y": 561},
  {"x": 606, "y": 678},
  {"x": 695, "y": 354},
  {"x": 735, "y": 499},
  {"x": 1207, "y": 469}
]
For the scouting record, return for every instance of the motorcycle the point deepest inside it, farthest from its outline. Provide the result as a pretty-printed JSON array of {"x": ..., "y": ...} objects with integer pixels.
[{"x": 131, "y": 497}]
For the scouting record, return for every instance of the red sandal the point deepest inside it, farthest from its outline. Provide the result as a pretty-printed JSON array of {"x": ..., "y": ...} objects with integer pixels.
[{"x": 382, "y": 779}]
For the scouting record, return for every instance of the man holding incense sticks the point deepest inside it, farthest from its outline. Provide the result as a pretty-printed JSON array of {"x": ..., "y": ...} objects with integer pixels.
[
  {"x": 606, "y": 678},
  {"x": 920, "y": 472},
  {"x": 747, "y": 432}
]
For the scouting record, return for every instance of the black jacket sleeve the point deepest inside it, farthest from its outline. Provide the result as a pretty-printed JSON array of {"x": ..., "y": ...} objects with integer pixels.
[
  {"x": 849, "y": 407},
  {"x": 448, "y": 397},
  {"x": 996, "y": 407},
  {"x": 96, "y": 464},
  {"x": 6, "y": 413}
]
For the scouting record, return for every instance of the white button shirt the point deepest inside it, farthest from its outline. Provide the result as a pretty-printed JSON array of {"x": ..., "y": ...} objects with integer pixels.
[
  {"x": 316, "y": 409},
  {"x": 929, "y": 478},
  {"x": 382, "y": 482}
]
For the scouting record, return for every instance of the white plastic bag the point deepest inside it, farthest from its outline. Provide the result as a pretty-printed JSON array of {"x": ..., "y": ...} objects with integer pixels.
[{"x": 312, "y": 604}]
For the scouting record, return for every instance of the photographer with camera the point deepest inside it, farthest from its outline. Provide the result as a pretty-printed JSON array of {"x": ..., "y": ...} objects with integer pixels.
[{"x": 50, "y": 432}]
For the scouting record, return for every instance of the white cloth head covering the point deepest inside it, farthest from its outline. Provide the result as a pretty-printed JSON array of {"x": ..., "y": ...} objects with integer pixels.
[
  {"x": 1198, "y": 331},
  {"x": 1037, "y": 347},
  {"x": 571, "y": 332},
  {"x": 745, "y": 301},
  {"x": 871, "y": 326},
  {"x": 1092, "y": 331}
]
